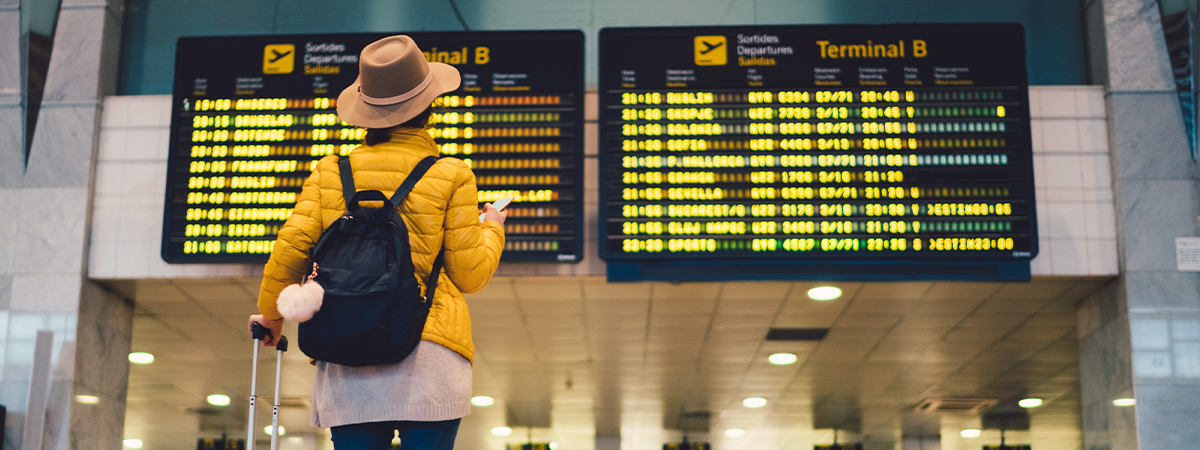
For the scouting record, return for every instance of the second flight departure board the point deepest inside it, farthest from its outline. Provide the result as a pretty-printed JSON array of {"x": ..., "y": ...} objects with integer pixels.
[
  {"x": 252, "y": 115},
  {"x": 828, "y": 143}
]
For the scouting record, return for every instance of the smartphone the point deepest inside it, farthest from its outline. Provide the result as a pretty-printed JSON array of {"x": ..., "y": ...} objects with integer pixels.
[{"x": 499, "y": 204}]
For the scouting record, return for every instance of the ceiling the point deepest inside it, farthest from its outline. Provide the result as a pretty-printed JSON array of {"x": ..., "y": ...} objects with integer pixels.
[{"x": 577, "y": 357}]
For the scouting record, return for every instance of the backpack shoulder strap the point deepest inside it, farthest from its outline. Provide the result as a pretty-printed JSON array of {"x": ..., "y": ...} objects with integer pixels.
[
  {"x": 411, "y": 181},
  {"x": 347, "y": 179}
]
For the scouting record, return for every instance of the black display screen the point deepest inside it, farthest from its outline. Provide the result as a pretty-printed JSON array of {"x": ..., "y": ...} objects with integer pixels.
[
  {"x": 253, "y": 114},
  {"x": 793, "y": 143}
]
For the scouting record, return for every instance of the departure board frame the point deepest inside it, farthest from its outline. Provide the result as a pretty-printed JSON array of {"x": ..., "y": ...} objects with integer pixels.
[
  {"x": 795, "y": 152},
  {"x": 252, "y": 114}
]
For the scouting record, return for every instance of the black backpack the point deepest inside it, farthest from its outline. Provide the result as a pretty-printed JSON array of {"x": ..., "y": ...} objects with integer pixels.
[{"x": 372, "y": 312}]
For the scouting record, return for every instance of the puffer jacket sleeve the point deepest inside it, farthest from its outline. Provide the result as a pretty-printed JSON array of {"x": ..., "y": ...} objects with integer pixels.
[
  {"x": 472, "y": 248},
  {"x": 289, "y": 263}
]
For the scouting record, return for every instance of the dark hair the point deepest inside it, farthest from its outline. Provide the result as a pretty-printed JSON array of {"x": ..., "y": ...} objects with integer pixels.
[{"x": 376, "y": 136}]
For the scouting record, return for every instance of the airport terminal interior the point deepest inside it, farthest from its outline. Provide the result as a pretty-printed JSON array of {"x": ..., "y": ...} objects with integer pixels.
[{"x": 738, "y": 224}]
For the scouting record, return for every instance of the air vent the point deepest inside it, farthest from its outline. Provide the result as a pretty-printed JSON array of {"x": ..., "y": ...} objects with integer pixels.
[
  {"x": 955, "y": 405},
  {"x": 796, "y": 334}
]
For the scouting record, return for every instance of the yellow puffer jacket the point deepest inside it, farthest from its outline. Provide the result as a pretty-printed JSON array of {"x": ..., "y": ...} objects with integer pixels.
[{"x": 441, "y": 211}]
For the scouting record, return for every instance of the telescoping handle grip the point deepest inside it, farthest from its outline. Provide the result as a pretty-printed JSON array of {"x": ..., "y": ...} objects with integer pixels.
[{"x": 259, "y": 332}]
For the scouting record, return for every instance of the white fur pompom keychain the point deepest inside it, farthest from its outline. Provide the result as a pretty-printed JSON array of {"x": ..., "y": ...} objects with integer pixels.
[{"x": 300, "y": 301}]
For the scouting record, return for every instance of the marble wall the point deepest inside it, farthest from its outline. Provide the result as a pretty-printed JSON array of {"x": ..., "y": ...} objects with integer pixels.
[
  {"x": 44, "y": 239},
  {"x": 1139, "y": 337}
]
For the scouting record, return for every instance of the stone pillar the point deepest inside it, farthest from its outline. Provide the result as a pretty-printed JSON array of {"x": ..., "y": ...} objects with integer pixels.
[
  {"x": 1139, "y": 337},
  {"x": 45, "y": 208}
]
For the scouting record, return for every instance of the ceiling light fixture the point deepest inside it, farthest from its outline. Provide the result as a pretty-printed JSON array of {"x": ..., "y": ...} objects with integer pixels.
[
  {"x": 735, "y": 432},
  {"x": 218, "y": 400},
  {"x": 87, "y": 399},
  {"x": 482, "y": 400},
  {"x": 295, "y": 440},
  {"x": 1124, "y": 402},
  {"x": 132, "y": 443},
  {"x": 824, "y": 293},
  {"x": 502, "y": 431},
  {"x": 970, "y": 433},
  {"x": 1030, "y": 402},
  {"x": 282, "y": 430},
  {"x": 754, "y": 402},
  {"x": 141, "y": 358},
  {"x": 782, "y": 359}
]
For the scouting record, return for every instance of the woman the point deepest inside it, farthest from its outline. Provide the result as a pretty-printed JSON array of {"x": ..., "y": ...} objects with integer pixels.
[{"x": 425, "y": 395}]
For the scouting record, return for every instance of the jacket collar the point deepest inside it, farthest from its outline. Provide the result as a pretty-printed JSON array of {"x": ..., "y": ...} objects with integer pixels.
[{"x": 415, "y": 137}]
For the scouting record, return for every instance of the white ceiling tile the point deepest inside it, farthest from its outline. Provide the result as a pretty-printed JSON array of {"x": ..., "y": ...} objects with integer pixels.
[
  {"x": 961, "y": 289},
  {"x": 700, "y": 320},
  {"x": 556, "y": 306},
  {"x": 158, "y": 290},
  {"x": 877, "y": 306},
  {"x": 543, "y": 288},
  {"x": 1009, "y": 320},
  {"x": 616, "y": 291},
  {"x": 809, "y": 306},
  {"x": 760, "y": 290},
  {"x": 202, "y": 289},
  {"x": 677, "y": 306},
  {"x": 605, "y": 307},
  {"x": 757, "y": 321},
  {"x": 867, "y": 320},
  {"x": 1009, "y": 304},
  {"x": 805, "y": 320},
  {"x": 685, "y": 291},
  {"x": 911, "y": 290},
  {"x": 749, "y": 306},
  {"x": 946, "y": 305},
  {"x": 1038, "y": 288},
  {"x": 537, "y": 322}
]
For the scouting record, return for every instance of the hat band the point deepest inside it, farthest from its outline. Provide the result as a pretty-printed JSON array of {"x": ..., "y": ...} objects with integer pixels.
[{"x": 398, "y": 98}]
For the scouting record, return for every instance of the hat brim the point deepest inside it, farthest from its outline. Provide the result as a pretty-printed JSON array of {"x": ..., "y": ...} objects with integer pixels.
[{"x": 354, "y": 111}]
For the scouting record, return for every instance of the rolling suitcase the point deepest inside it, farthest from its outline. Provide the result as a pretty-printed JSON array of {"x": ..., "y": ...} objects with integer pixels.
[{"x": 258, "y": 332}]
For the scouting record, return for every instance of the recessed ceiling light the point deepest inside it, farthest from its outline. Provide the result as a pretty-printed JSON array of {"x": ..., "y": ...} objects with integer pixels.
[
  {"x": 1030, "y": 402},
  {"x": 1124, "y": 402},
  {"x": 482, "y": 400},
  {"x": 282, "y": 430},
  {"x": 824, "y": 293},
  {"x": 132, "y": 443},
  {"x": 754, "y": 402},
  {"x": 218, "y": 400},
  {"x": 501, "y": 431},
  {"x": 782, "y": 359},
  {"x": 87, "y": 399},
  {"x": 735, "y": 432},
  {"x": 970, "y": 433},
  {"x": 553, "y": 446},
  {"x": 141, "y": 358}
]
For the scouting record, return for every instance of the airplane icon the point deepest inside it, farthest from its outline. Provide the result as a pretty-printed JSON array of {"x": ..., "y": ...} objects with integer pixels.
[
  {"x": 709, "y": 50},
  {"x": 278, "y": 55},
  {"x": 710, "y": 47}
]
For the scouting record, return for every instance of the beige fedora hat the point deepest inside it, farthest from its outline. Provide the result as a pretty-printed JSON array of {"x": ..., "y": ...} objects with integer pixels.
[{"x": 394, "y": 84}]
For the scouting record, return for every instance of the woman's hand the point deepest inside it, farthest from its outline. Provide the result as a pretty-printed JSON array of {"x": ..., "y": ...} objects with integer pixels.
[
  {"x": 274, "y": 326},
  {"x": 491, "y": 213}
]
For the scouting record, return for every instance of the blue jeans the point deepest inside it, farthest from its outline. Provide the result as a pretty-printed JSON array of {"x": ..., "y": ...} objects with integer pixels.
[{"x": 413, "y": 435}]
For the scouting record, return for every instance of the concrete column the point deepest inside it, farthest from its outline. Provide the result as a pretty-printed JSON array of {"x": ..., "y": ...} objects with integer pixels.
[
  {"x": 1139, "y": 337},
  {"x": 44, "y": 227}
]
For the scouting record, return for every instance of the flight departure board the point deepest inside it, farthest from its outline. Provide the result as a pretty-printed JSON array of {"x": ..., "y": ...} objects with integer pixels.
[
  {"x": 797, "y": 143},
  {"x": 253, "y": 115}
]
